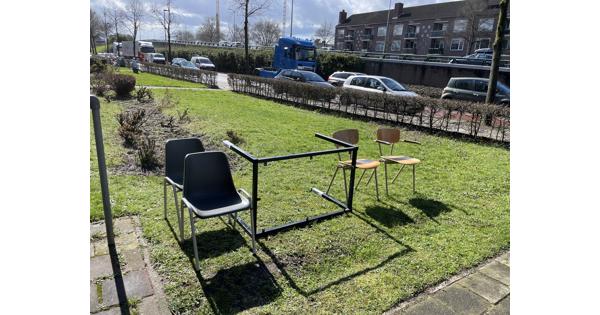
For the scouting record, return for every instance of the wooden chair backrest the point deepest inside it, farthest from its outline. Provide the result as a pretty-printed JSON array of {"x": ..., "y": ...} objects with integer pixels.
[
  {"x": 390, "y": 135},
  {"x": 347, "y": 135}
]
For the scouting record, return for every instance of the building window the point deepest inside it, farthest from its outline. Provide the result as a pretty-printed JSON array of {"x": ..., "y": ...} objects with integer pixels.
[
  {"x": 340, "y": 32},
  {"x": 379, "y": 46},
  {"x": 460, "y": 26},
  {"x": 486, "y": 25},
  {"x": 457, "y": 44},
  {"x": 482, "y": 43},
  {"x": 505, "y": 43},
  {"x": 396, "y": 45},
  {"x": 410, "y": 44},
  {"x": 398, "y": 29},
  {"x": 381, "y": 31},
  {"x": 411, "y": 31}
]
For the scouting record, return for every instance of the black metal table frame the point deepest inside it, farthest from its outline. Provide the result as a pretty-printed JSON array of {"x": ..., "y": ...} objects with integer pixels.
[{"x": 256, "y": 162}]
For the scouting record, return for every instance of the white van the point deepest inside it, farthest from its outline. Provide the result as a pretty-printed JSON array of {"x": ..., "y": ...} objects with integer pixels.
[{"x": 203, "y": 63}]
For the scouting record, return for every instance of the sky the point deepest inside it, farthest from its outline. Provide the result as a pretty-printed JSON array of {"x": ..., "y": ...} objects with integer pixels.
[{"x": 308, "y": 14}]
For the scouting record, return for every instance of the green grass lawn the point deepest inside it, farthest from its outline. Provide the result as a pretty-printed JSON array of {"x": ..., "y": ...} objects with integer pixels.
[
  {"x": 143, "y": 78},
  {"x": 364, "y": 262}
]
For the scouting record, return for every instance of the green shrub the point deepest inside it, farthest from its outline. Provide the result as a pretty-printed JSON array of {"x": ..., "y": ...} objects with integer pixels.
[
  {"x": 144, "y": 95},
  {"x": 122, "y": 84},
  {"x": 147, "y": 155},
  {"x": 130, "y": 125},
  {"x": 98, "y": 65}
]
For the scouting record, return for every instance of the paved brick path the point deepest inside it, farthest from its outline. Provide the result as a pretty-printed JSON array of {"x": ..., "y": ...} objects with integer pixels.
[
  {"x": 142, "y": 285},
  {"x": 482, "y": 290}
]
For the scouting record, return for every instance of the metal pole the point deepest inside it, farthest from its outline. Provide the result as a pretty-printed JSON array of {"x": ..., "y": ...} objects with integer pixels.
[
  {"x": 292, "y": 19},
  {"x": 108, "y": 221},
  {"x": 254, "y": 211},
  {"x": 387, "y": 26},
  {"x": 352, "y": 174}
]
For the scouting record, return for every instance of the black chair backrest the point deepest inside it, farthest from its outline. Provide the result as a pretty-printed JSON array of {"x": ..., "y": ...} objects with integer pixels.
[
  {"x": 207, "y": 175},
  {"x": 175, "y": 152}
]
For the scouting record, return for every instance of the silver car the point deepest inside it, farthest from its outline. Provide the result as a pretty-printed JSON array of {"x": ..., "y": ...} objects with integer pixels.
[
  {"x": 339, "y": 77},
  {"x": 377, "y": 84}
]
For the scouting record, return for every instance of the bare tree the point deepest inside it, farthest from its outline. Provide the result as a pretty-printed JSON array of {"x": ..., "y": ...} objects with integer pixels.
[
  {"x": 134, "y": 13},
  {"x": 265, "y": 33},
  {"x": 249, "y": 9},
  {"x": 325, "y": 33},
  {"x": 207, "y": 32},
  {"x": 165, "y": 17},
  {"x": 184, "y": 35},
  {"x": 116, "y": 19},
  {"x": 472, "y": 10},
  {"x": 235, "y": 33},
  {"x": 95, "y": 30},
  {"x": 106, "y": 25}
]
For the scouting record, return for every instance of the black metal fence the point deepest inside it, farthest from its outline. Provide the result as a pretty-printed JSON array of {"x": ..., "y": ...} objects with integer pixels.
[{"x": 474, "y": 119}]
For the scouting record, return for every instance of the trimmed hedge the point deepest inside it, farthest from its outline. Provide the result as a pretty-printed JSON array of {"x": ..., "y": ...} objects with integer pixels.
[
  {"x": 432, "y": 113},
  {"x": 208, "y": 78},
  {"x": 122, "y": 84}
]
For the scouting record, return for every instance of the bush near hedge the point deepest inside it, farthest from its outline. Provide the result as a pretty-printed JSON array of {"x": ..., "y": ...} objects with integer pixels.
[{"x": 122, "y": 84}]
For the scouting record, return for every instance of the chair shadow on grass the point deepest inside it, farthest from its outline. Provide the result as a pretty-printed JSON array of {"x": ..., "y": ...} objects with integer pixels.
[
  {"x": 235, "y": 289},
  {"x": 430, "y": 207},
  {"x": 388, "y": 215}
]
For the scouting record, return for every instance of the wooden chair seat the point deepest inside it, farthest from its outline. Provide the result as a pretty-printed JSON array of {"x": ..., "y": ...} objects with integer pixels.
[
  {"x": 400, "y": 159},
  {"x": 363, "y": 164}
]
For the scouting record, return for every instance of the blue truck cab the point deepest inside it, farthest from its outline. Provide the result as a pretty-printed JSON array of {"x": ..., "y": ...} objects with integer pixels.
[{"x": 291, "y": 53}]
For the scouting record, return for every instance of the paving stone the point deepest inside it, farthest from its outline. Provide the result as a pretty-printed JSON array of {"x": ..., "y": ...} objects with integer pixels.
[
  {"x": 111, "y": 311},
  {"x": 123, "y": 225},
  {"x": 100, "y": 266},
  {"x": 149, "y": 306},
  {"x": 504, "y": 258},
  {"x": 492, "y": 290},
  {"x": 100, "y": 248},
  {"x": 134, "y": 260},
  {"x": 502, "y": 308},
  {"x": 430, "y": 306},
  {"x": 462, "y": 301},
  {"x": 97, "y": 230},
  {"x": 93, "y": 298},
  {"x": 126, "y": 241},
  {"x": 91, "y": 250},
  {"x": 498, "y": 271},
  {"x": 137, "y": 285}
]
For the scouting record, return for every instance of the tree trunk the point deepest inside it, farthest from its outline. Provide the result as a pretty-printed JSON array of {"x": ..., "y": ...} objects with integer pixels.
[
  {"x": 246, "y": 57},
  {"x": 169, "y": 39},
  {"x": 491, "y": 92},
  {"x": 134, "y": 37}
]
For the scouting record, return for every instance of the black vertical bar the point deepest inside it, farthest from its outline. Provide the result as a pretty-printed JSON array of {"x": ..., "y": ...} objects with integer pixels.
[
  {"x": 108, "y": 221},
  {"x": 352, "y": 173},
  {"x": 255, "y": 194}
]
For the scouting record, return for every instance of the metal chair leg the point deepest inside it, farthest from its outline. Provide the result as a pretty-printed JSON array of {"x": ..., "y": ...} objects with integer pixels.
[
  {"x": 386, "y": 177},
  {"x": 345, "y": 185},
  {"x": 414, "y": 180},
  {"x": 181, "y": 227},
  {"x": 370, "y": 177},
  {"x": 332, "y": 179},
  {"x": 180, "y": 216},
  {"x": 196, "y": 259},
  {"x": 165, "y": 196},
  {"x": 400, "y": 171},
  {"x": 360, "y": 178},
  {"x": 376, "y": 184}
]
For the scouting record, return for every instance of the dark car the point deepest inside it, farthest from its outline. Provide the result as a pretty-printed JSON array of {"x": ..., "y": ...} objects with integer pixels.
[
  {"x": 474, "y": 90},
  {"x": 183, "y": 63},
  {"x": 302, "y": 76},
  {"x": 481, "y": 57},
  {"x": 339, "y": 77}
]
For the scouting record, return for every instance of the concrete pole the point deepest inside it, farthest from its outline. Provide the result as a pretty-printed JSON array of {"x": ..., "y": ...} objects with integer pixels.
[
  {"x": 108, "y": 221},
  {"x": 292, "y": 20}
]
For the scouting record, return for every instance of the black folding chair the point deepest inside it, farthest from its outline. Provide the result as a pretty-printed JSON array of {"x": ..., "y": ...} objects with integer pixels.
[
  {"x": 175, "y": 152},
  {"x": 208, "y": 191}
]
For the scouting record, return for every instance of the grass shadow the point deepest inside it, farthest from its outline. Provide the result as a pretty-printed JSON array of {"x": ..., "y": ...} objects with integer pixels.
[
  {"x": 388, "y": 216},
  {"x": 432, "y": 208},
  {"x": 214, "y": 243},
  {"x": 240, "y": 288}
]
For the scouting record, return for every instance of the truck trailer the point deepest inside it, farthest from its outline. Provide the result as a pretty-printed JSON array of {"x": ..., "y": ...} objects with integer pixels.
[
  {"x": 141, "y": 48},
  {"x": 291, "y": 53}
]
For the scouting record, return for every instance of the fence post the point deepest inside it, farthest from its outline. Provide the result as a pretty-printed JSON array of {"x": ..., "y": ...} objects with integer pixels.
[{"x": 108, "y": 222}]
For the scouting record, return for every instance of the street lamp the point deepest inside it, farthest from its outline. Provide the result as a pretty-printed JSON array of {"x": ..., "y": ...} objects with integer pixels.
[
  {"x": 165, "y": 24},
  {"x": 292, "y": 19}
]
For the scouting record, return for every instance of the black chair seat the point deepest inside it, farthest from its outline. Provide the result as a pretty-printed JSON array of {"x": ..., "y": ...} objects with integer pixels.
[{"x": 216, "y": 205}]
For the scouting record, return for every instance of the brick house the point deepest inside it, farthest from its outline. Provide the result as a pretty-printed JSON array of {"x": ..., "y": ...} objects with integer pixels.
[{"x": 449, "y": 28}]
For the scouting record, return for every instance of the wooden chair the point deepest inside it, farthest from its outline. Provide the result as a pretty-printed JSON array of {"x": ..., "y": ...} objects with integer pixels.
[
  {"x": 351, "y": 136},
  {"x": 391, "y": 136}
]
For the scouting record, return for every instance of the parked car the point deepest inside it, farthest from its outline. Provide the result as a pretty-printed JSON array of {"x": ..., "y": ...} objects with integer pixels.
[
  {"x": 203, "y": 63},
  {"x": 183, "y": 63},
  {"x": 155, "y": 58},
  {"x": 475, "y": 90},
  {"x": 482, "y": 57},
  {"x": 339, "y": 77},
  {"x": 302, "y": 76},
  {"x": 377, "y": 84}
]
